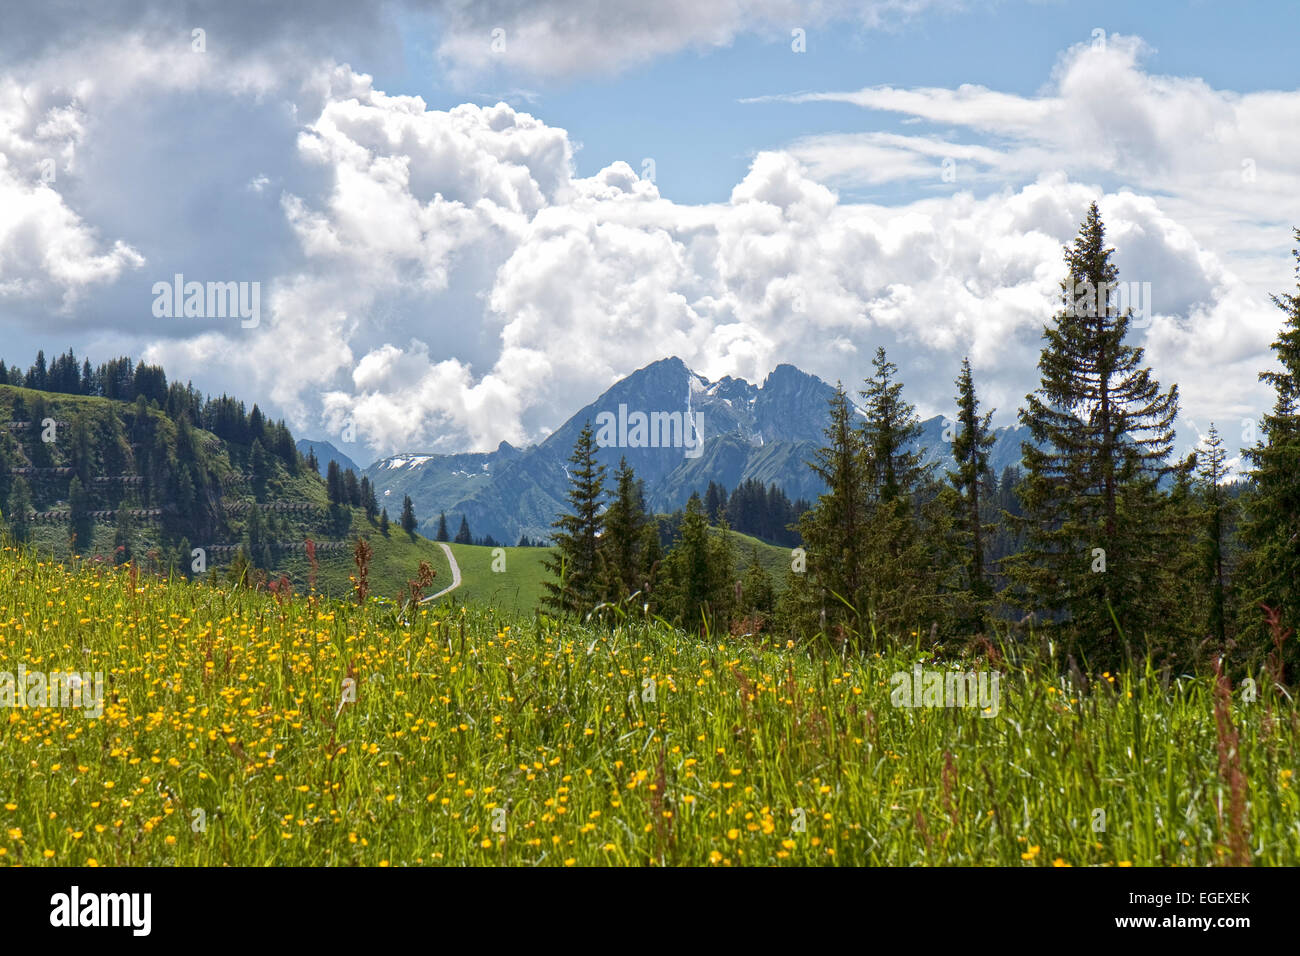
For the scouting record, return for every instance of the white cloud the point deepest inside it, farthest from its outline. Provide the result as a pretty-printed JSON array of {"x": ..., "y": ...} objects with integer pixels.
[
  {"x": 591, "y": 278},
  {"x": 1223, "y": 163},
  {"x": 446, "y": 280},
  {"x": 568, "y": 37},
  {"x": 47, "y": 251}
]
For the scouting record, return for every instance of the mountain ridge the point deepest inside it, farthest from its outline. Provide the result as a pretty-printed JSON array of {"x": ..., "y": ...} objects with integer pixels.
[{"x": 767, "y": 432}]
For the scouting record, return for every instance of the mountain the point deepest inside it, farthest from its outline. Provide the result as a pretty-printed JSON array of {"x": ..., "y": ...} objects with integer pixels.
[
  {"x": 655, "y": 418},
  {"x": 184, "y": 484},
  {"x": 325, "y": 453}
]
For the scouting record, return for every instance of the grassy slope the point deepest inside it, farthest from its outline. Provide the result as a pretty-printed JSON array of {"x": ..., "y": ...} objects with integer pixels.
[
  {"x": 396, "y": 559},
  {"x": 457, "y": 717},
  {"x": 519, "y": 586},
  {"x": 516, "y": 589}
]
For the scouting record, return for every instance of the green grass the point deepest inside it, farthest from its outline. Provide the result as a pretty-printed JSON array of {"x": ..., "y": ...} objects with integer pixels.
[
  {"x": 396, "y": 561},
  {"x": 516, "y": 590},
  {"x": 230, "y": 708},
  {"x": 519, "y": 587}
]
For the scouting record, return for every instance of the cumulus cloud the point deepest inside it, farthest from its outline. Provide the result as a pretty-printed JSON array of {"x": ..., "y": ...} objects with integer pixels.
[
  {"x": 1223, "y": 162},
  {"x": 589, "y": 278},
  {"x": 444, "y": 280},
  {"x": 47, "y": 251}
]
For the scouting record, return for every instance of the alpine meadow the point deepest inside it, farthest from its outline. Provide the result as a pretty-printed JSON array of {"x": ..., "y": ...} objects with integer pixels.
[{"x": 736, "y": 435}]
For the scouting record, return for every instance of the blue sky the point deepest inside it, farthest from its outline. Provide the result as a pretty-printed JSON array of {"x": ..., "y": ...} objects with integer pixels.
[
  {"x": 446, "y": 273},
  {"x": 685, "y": 110}
]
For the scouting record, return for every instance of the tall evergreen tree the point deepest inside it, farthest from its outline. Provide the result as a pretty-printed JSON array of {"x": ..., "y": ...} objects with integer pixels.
[
  {"x": 712, "y": 502},
  {"x": 970, "y": 449},
  {"x": 698, "y": 572},
  {"x": 902, "y": 574},
  {"x": 409, "y": 523},
  {"x": 368, "y": 500},
  {"x": 889, "y": 432},
  {"x": 575, "y": 562},
  {"x": 259, "y": 468},
  {"x": 622, "y": 544},
  {"x": 836, "y": 576},
  {"x": 442, "y": 534},
  {"x": 36, "y": 375},
  {"x": 351, "y": 488},
  {"x": 1218, "y": 506},
  {"x": 334, "y": 483},
  {"x": 1096, "y": 526},
  {"x": 463, "y": 535},
  {"x": 1271, "y": 528}
]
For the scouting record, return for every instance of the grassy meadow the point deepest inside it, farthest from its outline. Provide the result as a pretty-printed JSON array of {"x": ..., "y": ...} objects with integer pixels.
[
  {"x": 240, "y": 728},
  {"x": 518, "y": 586}
]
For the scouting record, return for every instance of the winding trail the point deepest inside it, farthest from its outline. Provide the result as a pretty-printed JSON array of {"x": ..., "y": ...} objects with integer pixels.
[{"x": 455, "y": 573}]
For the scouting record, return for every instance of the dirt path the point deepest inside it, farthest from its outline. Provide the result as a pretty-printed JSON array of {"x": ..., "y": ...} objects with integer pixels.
[{"x": 455, "y": 573}]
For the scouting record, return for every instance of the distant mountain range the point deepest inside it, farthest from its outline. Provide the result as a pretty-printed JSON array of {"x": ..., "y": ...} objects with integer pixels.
[
  {"x": 652, "y": 417},
  {"x": 325, "y": 453}
]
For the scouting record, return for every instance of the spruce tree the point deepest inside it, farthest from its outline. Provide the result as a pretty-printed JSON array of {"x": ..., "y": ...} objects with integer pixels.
[
  {"x": 1218, "y": 506},
  {"x": 383, "y": 522},
  {"x": 334, "y": 483},
  {"x": 712, "y": 502},
  {"x": 623, "y": 541},
  {"x": 698, "y": 572},
  {"x": 902, "y": 576},
  {"x": 1271, "y": 528},
  {"x": 834, "y": 582},
  {"x": 351, "y": 488},
  {"x": 575, "y": 562},
  {"x": 443, "y": 534},
  {"x": 408, "y": 515},
  {"x": 970, "y": 449},
  {"x": 368, "y": 500},
  {"x": 259, "y": 468},
  {"x": 462, "y": 534},
  {"x": 1096, "y": 526}
]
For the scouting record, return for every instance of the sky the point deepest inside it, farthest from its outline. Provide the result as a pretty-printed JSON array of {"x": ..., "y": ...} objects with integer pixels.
[{"x": 465, "y": 220}]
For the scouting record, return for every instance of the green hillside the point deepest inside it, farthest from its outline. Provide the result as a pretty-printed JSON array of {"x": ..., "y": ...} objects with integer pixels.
[
  {"x": 519, "y": 588},
  {"x": 396, "y": 561},
  {"x": 115, "y": 481},
  {"x": 516, "y": 589}
]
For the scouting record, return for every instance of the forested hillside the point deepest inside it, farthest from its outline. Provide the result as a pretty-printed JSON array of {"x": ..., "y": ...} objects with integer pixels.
[{"x": 116, "y": 464}]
